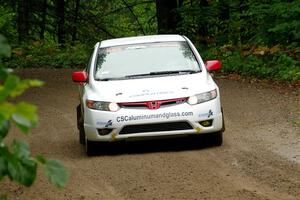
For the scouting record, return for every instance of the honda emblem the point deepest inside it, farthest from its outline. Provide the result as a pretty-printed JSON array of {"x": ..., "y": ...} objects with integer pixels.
[{"x": 153, "y": 105}]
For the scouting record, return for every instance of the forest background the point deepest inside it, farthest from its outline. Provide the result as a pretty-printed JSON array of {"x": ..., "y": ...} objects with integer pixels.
[{"x": 250, "y": 37}]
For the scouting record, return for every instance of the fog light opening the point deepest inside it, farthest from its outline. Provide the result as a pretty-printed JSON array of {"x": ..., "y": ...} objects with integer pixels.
[
  {"x": 206, "y": 123},
  {"x": 104, "y": 131}
]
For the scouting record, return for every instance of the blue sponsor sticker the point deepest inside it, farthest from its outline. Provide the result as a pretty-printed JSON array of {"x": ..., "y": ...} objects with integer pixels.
[
  {"x": 109, "y": 123},
  {"x": 206, "y": 115}
]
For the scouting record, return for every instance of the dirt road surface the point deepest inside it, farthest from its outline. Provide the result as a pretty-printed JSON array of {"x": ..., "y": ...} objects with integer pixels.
[{"x": 260, "y": 157}]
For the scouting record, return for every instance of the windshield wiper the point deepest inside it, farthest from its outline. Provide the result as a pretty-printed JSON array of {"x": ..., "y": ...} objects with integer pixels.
[
  {"x": 149, "y": 74},
  {"x": 137, "y": 75},
  {"x": 174, "y": 72},
  {"x": 110, "y": 79},
  {"x": 163, "y": 72}
]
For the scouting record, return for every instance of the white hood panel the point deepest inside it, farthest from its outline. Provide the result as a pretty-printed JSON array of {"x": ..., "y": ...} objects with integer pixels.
[{"x": 148, "y": 89}]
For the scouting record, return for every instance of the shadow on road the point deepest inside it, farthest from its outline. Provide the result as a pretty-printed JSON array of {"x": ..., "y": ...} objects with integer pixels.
[{"x": 154, "y": 145}]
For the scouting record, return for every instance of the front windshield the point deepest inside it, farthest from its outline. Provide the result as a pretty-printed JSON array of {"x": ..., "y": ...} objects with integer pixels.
[{"x": 119, "y": 62}]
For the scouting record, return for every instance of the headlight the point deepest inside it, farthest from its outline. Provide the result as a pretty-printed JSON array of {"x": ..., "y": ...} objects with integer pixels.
[
  {"x": 100, "y": 105},
  {"x": 203, "y": 97}
]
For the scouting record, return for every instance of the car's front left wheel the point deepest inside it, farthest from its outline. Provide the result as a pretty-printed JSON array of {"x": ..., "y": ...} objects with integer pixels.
[{"x": 216, "y": 138}]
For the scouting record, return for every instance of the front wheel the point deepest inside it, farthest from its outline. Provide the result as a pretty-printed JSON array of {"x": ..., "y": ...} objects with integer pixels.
[
  {"x": 80, "y": 125},
  {"x": 216, "y": 138},
  {"x": 90, "y": 147}
]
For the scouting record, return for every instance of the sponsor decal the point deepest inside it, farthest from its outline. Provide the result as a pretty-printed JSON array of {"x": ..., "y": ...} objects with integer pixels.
[
  {"x": 167, "y": 115},
  {"x": 148, "y": 93},
  {"x": 210, "y": 113},
  {"x": 109, "y": 123},
  {"x": 206, "y": 115}
]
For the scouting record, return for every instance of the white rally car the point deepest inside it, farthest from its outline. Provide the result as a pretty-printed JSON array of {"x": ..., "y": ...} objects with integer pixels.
[{"x": 145, "y": 87}]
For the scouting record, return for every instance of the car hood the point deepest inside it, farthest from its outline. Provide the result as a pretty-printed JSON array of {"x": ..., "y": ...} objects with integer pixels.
[{"x": 148, "y": 89}]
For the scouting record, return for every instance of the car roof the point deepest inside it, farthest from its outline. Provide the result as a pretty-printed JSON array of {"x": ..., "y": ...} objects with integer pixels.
[{"x": 141, "y": 39}]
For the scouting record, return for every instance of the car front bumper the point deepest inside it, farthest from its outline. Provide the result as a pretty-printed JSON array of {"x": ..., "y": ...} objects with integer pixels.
[{"x": 140, "y": 123}]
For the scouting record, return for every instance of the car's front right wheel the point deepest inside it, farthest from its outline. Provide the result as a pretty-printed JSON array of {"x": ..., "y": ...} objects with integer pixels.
[{"x": 80, "y": 125}]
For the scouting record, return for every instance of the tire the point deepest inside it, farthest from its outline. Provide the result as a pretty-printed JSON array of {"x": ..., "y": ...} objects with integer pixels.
[
  {"x": 81, "y": 136},
  {"x": 90, "y": 147},
  {"x": 80, "y": 125},
  {"x": 216, "y": 138},
  {"x": 223, "y": 127}
]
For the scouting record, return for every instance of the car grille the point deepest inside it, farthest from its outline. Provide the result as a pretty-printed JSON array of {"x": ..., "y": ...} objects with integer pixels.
[
  {"x": 142, "y": 128},
  {"x": 156, "y": 104}
]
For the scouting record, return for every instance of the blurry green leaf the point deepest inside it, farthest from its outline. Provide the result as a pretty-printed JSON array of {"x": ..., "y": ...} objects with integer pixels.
[
  {"x": 22, "y": 171},
  {"x": 25, "y": 116},
  {"x": 5, "y": 49},
  {"x": 13, "y": 86},
  {"x": 4, "y": 128},
  {"x": 3, "y": 73},
  {"x": 21, "y": 149},
  {"x": 10, "y": 84},
  {"x": 3, "y": 168},
  {"x": 7, "y": 109},
  {"x": 41, "y": 159},
  {"x": 24, "y": 85},
  {"x": 35, "y": 83},
  {"x": 3, "y": 93},
  {"x": 56, "y": 173}
]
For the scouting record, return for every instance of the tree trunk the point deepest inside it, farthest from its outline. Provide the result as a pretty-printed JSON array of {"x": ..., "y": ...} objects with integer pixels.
[
  {"x": 23, "y": 23},
  {"x": 61, "y": 21},
  {"x": 167, "y": 16},
  {"x": 43, "y": 23},
  {"x": 203, "y": 29},
  {"x": 76, "y": 12}
]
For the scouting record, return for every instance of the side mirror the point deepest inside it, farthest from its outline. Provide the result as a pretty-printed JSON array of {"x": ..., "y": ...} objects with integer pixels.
[
  {"x": 79, "y": 76},
  {"x": 213, "y": 65}
]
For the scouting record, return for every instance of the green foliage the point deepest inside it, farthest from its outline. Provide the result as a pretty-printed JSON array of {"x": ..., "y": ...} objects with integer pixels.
[
  {"x": 5, "y": 50},
  {"x": 211, "y": 25},
  {"x": 56, "y": 173},
  {"x": 242, "y": 22},
  {"x": 7, "y": 22},
  {"x": 233, "y": 31},
  {"x": 277, "y": 22},
  {"x": 16, "y": 161},
  {"x": 261, "y": 62},
  {"x": 19, "y": 165},
  {"x": 37, "y": 54}
]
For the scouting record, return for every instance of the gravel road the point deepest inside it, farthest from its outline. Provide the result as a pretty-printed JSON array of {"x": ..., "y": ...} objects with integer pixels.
[{"x": 260, "y": 157}]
